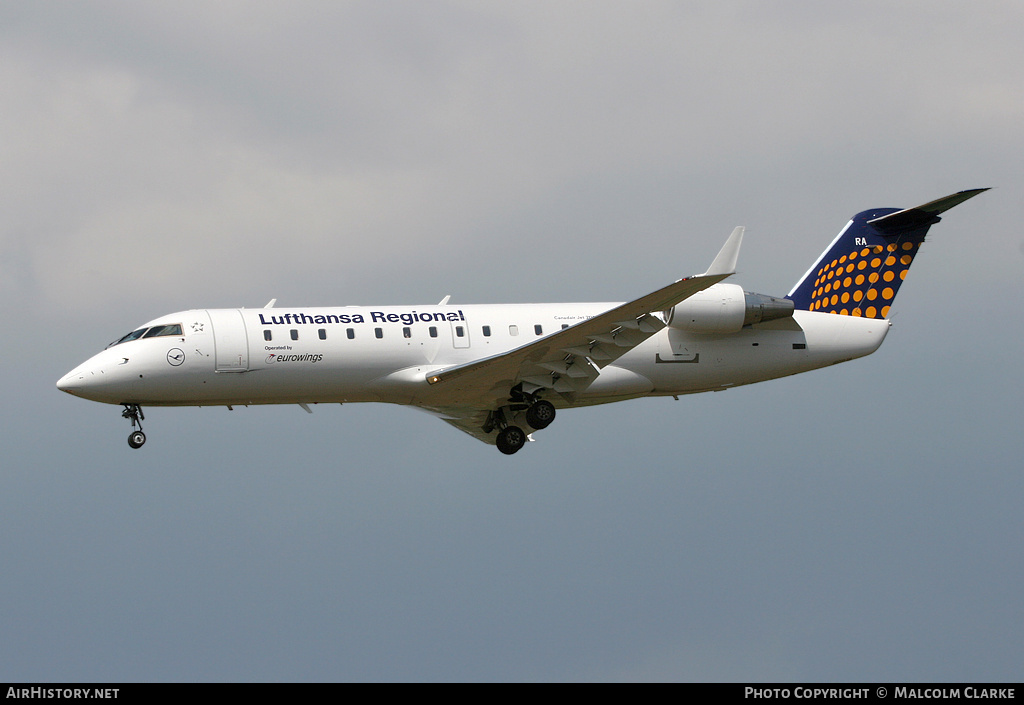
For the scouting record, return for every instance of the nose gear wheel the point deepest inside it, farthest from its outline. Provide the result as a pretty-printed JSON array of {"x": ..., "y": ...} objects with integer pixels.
[{"x": 133, "y": 412}]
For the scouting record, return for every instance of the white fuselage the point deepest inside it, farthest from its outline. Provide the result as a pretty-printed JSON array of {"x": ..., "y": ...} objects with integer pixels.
[{"x": 384, "y": 354}]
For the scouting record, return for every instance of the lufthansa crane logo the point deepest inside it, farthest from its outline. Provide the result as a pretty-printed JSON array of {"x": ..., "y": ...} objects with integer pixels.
[{"x": 175, "y": 356}]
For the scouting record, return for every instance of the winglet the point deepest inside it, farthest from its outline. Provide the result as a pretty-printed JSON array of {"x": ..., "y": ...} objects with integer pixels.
[{"x": 725, "y": 262}]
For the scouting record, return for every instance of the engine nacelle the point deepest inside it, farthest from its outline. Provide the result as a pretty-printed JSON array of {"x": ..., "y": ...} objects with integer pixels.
[{"x": 726, "y": 308}]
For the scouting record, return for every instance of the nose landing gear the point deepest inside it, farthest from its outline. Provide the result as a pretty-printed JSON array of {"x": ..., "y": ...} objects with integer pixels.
[{"x": 133, "y": 412}]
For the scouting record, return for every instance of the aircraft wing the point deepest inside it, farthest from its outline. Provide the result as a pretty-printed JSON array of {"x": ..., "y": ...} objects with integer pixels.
[
  {"x": 567, "y": 361},
  {"x": 473, "y": 424}
]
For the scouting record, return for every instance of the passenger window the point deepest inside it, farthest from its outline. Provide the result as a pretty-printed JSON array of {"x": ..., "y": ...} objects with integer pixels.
[
  {"x": 460, "y": 331},
  {"x": 487, "y": 331},
  {"x": 564, "y": 326},
  {"x": 322, "y": 333},
  {"x": 351, "y": 333},
  {"x": 268, "y": 335},
  {"x": 407, "y": 332},
  {"x": 433, "y": 331},
  {"x": 295, "y": 334},
  {"x": 513, "y": 330},
  {"x": 379, "y": 332},
  {"x": 539, "y": 330}
]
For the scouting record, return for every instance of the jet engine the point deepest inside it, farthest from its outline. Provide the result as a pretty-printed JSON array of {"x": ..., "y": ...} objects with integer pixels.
[{"x": 726, "y": 308}]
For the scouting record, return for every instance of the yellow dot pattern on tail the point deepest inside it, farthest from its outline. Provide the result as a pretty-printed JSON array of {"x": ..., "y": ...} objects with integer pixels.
[{"x": 864, "y": 281}]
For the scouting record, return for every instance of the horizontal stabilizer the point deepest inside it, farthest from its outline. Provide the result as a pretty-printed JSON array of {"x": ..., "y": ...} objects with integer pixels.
[{"x": 928, "y": 214}]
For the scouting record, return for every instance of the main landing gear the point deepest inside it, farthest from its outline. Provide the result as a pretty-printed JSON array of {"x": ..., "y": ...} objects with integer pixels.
[
  {"x": 510, "y": 439},
  {"x": 133, "y": 412},
  {"x": 538, "y": 414}
]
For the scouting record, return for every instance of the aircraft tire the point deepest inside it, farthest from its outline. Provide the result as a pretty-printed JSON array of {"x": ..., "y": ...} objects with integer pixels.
[
  {"x": 541, "y": 414},
  {"x": 136, "y": 439},
  {"x": 511, "y": 439}
]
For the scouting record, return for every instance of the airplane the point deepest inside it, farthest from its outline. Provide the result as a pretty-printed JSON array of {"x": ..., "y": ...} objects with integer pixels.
[{"x": 501, "y": 372}]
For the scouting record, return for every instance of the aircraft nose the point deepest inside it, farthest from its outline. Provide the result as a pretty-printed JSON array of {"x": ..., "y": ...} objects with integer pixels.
[
  {"x": 101, "y": 378},
  {"x": 88, "y": 381},
  {"x": 73, "y": 382}
]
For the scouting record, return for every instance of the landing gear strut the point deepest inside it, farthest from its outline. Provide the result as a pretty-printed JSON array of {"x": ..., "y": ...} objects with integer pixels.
[{"x": 133, "y": 412}]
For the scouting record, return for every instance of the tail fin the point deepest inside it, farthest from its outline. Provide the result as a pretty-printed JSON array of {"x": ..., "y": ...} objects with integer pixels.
[{"x": 861, "y": 271}]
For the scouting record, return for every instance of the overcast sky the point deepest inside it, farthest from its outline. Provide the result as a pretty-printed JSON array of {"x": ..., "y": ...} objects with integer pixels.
[{"x": 860, "y": 522}]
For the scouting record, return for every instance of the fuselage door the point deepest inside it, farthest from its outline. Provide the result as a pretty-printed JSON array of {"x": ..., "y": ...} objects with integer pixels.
[
  {"x": 230, "y": 340},
  {"x": 460, "y": 334}
]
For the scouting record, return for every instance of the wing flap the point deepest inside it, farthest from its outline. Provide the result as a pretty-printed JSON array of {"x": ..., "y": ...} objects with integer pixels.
[{"x": 577, "y": 367}]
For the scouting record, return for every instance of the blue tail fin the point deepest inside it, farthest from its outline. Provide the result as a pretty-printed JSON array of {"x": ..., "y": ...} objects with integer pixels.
[{"x": 861, "y": 271}]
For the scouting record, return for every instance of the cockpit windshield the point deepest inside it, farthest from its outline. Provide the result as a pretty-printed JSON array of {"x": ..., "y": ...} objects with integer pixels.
[
  {"x": 154, "y": 332},
  {"x": 157, "y": 331}
]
